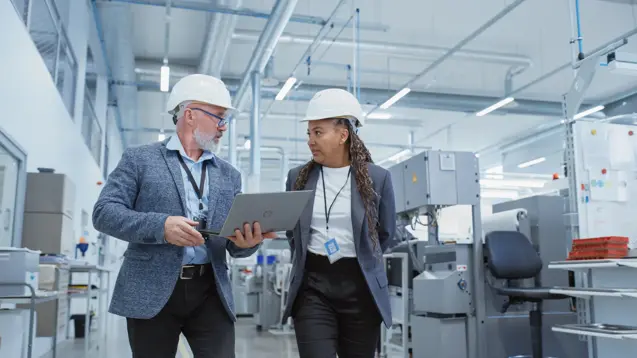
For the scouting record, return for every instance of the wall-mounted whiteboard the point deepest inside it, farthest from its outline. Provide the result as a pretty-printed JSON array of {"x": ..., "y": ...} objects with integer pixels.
[{"x": 606, "y": 174}]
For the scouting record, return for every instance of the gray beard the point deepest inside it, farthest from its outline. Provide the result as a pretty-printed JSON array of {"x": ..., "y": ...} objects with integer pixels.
[{"x": 206, "y": 141}]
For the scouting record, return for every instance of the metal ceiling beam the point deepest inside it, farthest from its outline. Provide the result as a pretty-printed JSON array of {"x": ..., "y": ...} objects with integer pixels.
[
  {"x": 419, "y": 100},
  {"x": 214, "y": 8}
]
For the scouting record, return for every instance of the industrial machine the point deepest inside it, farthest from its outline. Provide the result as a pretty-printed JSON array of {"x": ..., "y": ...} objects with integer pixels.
[
  {"x": 443, "y": 307},
  {"x": 268, "y": 283},
  {"x": 456, "y": 308}
]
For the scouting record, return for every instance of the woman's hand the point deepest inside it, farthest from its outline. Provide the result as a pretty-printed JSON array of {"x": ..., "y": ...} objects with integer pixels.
[{"x": 252, "y": 237}]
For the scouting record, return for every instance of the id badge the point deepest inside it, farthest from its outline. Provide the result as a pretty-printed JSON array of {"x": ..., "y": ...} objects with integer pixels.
[{"x": 332, "y": 250}]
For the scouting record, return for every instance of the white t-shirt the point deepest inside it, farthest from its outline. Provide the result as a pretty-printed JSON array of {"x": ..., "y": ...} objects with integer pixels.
[{"x": 340, "y": 223}]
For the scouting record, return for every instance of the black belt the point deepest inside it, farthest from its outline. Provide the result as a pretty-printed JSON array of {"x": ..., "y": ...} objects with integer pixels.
[{"x": 188, "y": 272}]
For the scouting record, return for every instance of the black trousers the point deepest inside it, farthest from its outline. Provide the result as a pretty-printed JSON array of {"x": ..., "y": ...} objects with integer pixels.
[
  {"x": 334, "y": 312},
  {"x": 194, "y": 309}
]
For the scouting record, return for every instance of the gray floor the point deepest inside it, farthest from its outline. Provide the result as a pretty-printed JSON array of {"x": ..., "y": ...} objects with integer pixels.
[{"x": 249, "y": 343}]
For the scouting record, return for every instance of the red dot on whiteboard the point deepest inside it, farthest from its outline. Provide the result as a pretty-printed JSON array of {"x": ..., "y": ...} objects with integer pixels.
[
  {"x": 603, "y": 171},
  {"x": 630, "y": 132}
]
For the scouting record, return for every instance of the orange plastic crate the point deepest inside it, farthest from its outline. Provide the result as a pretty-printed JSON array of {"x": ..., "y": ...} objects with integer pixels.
[
  {"x": 597, "y": 254},
  {"x": 612, "y": 240}
]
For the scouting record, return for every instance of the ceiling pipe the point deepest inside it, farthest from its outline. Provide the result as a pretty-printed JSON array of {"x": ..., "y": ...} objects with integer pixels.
[
  {"x": 265, "y": 46},
  {"x": 409, "y": 84},
  {"x": 281, "y": 14},
  {"x": 419, "y": 100},
  {"x": 197, "y": 5},
  {"x": 423, "y": 100},
  {"x": 218, "y": 39},
  {"x": 346, "y": 68},
  {"x": 417, "y": 51},
  {"x": 213, "y": 36},
  {"x": 228, "y": 26}
]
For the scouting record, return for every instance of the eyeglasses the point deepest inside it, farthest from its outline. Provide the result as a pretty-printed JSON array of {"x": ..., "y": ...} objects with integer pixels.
[{"x": 222, "y": 120}]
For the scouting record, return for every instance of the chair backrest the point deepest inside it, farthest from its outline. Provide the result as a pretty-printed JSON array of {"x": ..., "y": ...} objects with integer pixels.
[{"x": 511, "y": 255}]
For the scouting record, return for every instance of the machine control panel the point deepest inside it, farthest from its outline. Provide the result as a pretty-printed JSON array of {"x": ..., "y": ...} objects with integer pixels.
[{"x": 436, "y": 178}]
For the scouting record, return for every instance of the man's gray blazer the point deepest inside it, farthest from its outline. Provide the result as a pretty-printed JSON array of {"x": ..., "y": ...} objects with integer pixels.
[
  {"x": 139, "y": 195},
  {"x": 370, "y": 260}
]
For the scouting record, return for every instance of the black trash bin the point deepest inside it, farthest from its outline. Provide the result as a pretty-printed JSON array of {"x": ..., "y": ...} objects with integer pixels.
[{"x": 80, "y": 324}]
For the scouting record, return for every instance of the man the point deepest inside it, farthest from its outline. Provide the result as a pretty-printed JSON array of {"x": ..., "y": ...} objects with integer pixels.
[{"x": 173, "y": 281}]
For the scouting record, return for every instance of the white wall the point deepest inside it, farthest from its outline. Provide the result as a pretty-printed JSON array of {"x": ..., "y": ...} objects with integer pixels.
[{"x": 35, "y": 116}]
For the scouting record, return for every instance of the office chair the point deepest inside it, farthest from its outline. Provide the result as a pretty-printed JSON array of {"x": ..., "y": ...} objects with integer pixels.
[{"x": 511, "y": 256}]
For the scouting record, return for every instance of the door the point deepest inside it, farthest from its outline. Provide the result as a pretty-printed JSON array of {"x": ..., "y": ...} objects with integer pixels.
[{"x": 12, "y": 189}]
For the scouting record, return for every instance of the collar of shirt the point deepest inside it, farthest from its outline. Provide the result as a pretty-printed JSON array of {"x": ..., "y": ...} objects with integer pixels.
[{"x": 175, "y": 144}]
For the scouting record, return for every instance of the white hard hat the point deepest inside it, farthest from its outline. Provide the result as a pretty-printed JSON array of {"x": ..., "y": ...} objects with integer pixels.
[
  {"x": 199, "y": 88},
  {"x": 335, "y": 103}
]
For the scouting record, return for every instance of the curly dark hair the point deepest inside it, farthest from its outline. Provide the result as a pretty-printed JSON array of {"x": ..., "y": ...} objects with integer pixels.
[{"x": 360, "y": 156}]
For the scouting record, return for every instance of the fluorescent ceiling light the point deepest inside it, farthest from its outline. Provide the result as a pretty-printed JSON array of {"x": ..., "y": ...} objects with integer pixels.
[
  {"x": 161, "y": 136},
  {"x": 164, "y": 78},
  {"x": 287, "y": 86},
  {"x": 499, "y": 194},
  {"x": 378, "y": 115},
  {"x": 402, "y": 93},
  {"x": 511, "y": 183},
  {"x": 495, "y": 106},
  {"x": 531, "y": 162},
  {"x": 588, "y": 112}
]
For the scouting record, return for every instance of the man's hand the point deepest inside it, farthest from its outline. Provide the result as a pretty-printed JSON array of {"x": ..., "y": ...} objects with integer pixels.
[
  {"x": 252, "y": 237},
  {"x": 180, "y": 231}
]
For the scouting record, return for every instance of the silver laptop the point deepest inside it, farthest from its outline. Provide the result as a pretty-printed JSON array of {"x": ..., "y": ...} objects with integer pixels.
[{"x": 274, "y": 211}]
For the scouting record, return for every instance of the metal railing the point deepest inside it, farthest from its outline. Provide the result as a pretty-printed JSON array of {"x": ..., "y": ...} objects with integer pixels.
[
  {"x": 91, "y": 129},
  {"x": 44, "y": 24}
]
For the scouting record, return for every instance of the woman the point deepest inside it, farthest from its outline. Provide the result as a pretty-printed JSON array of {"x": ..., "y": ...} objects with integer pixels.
[{"x": 338, "y": 294}]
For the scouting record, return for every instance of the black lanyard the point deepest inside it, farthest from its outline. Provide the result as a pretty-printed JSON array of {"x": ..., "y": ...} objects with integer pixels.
[
  {"x": 191, "y": 179},
  {"x": 328, "y": 211}
]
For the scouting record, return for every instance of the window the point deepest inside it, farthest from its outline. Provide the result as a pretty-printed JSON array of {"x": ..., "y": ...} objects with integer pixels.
[
  {"x": 44, "y": 23},
  {"x": 91, "y": 75},
  {"x": 91, "y": 129}
]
